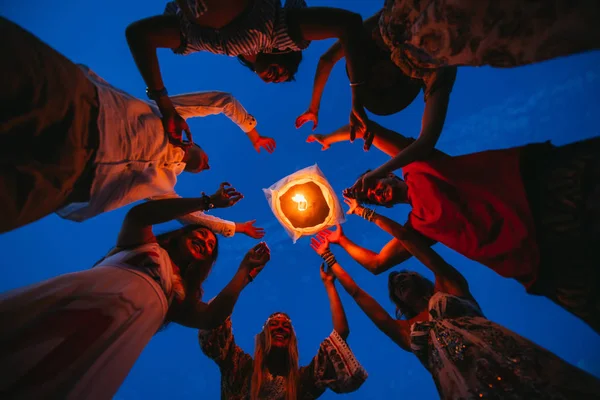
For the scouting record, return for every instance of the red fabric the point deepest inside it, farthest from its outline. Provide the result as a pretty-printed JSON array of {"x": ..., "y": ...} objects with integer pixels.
[{"x": 476, "y": 204}]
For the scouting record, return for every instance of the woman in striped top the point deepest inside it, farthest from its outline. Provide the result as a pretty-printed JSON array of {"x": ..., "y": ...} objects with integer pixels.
[{"x": 266, "y": 36}]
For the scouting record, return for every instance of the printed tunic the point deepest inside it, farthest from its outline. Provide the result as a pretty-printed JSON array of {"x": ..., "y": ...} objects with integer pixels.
[{"x": 334, "y": 367}]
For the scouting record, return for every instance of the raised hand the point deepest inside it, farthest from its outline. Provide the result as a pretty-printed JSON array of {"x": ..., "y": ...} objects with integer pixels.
[
  {"x": 335, "y": 236},
  {"x": 266, "y": 143},
  {"x": 248, "y": 228},
  {"x": 365, "y": 182},
  {"x": 320, "y": 243},
  {"x": 308, "y": 116},
  {"x": 226, "y": 196},
  {"x": 174, "y": 125},
  {"x": 318, "y": 138},
  {"x": 255, "y": 259},
  {"x": 327, "y": 275},
  {"x": 354, "y": 206}
]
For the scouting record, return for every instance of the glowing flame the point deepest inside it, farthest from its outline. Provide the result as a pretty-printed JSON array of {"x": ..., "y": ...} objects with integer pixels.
[{"x": 301, "y": 200}]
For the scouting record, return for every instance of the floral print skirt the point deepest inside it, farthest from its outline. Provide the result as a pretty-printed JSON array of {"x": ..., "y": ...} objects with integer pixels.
[{"x": 428, "y": 34}]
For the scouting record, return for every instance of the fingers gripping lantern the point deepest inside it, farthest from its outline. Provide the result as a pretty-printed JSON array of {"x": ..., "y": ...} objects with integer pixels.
[{"x": 304, "y": 203}]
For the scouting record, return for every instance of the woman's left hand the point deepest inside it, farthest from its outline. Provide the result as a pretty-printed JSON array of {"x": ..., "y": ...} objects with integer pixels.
[
  {"x": 353, "y": 206},
  {"x": 319, "y": 243},
  {"x": 327, "y": 275}
]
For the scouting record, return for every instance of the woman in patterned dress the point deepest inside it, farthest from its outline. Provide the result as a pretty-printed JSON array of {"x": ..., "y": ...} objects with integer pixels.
[
  {"x": 273, "y": 372},
  {"x": 77, "y": 335},
  {"x": 468, "y": 356},
  {"x": 427, "y": 35},
  {"x": 266, "y": 36}
]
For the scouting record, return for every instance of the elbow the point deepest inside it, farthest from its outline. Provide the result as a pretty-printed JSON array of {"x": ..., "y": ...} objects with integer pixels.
[{"x": 344, "y": 333}]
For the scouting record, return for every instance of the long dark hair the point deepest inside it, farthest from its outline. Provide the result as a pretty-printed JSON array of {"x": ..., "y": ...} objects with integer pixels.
[
  {"x": 418, "y": 283},
  {"x": 193, "y": 276},
  {"x": 290, "y": 60}
]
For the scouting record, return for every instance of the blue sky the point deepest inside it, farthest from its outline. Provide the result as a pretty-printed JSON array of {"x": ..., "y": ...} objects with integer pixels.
[{"x": 490, "y": 108}]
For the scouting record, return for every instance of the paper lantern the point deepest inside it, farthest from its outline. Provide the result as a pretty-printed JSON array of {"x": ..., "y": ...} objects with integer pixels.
[{"x": 304, "y": 203}]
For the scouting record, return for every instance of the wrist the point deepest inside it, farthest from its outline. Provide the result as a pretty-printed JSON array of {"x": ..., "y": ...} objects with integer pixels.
[
  {"x": 240, "y": 227},
  {"x": 329, "y": 258}
]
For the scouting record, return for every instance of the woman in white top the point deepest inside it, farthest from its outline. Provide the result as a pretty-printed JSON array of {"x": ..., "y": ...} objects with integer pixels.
[{"x": 79, "y": 334}]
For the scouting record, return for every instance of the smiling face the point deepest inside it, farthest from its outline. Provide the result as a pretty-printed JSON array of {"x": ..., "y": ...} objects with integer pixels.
[
  {"x": 198, "y": 244},
  {"x": 280, "y": 330},
  {"x": 410, "y": 292}
]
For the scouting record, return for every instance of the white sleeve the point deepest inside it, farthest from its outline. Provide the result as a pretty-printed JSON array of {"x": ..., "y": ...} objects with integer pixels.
[
  {"x": 201, "y": 104},
  {"x": 217, "y": 225}
]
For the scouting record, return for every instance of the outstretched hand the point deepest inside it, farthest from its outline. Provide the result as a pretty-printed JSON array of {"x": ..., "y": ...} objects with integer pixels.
[
  {"x": 255, "y": 259},
  {"x": 266, "y": 143},
  {"x": 308, "y": 116},
  {"x": 354, "y": 206},
  {"x": 226, "y": 196},
  {"x": 333, "y": 236},
  {"x": 248, "y": 228},
  {"x": 173, "y": 125},
  {"x": 320, "y": 243},
  {"x": 318, "y": 138}
]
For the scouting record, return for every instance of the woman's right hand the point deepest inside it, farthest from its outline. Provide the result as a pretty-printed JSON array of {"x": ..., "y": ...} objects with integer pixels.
[
  {"x": 308, "y": 116},
  {"x": 226, "y": 196},
  {"x": 255, "y": 260},
  {"x": 320, "y": 243},
  {"x": 321, "y": 139},
  {"x": 174, "y": 124},
  {"x": 354, "y": 206}
]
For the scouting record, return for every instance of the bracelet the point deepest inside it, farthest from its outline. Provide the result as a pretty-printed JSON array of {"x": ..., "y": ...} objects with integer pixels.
[
  {"x": 367, "y": 214},
  {"x": 354, "y": 84},
  {"x": 156, "y": 94},
  {"x": 208, "y": 205},
  {"x": 329, "y": 258}
]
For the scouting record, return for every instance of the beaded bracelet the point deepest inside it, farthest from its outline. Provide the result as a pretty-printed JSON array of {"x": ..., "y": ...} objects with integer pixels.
[
  {"x": 329, "y": 258},
  {"x": 208, "y": 205},
  {"x": 367, "y": 214}
]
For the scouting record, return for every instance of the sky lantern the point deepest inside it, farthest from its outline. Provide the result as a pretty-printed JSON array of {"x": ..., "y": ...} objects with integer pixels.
[{"x": 304, "y": 203}]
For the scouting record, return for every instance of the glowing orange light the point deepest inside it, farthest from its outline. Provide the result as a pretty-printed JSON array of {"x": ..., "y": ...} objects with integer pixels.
[{"x": 301, "y": 200}]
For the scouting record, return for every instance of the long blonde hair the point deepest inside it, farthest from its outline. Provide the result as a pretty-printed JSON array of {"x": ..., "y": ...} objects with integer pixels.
[{"x": 260, "y": 370}]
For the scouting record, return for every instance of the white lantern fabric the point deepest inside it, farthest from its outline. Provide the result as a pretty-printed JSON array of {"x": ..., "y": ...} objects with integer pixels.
[{"x": 281, "y": 191}]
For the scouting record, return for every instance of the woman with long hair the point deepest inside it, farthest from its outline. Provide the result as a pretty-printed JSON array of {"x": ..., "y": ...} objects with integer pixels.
[
  {"x": 387, "y": 89},
  {"x": 273, "y": 373},
  {"x": 468, "y": 355},
  {"x": 266, "y": 36},
  {"x": 79, "y": 334}
]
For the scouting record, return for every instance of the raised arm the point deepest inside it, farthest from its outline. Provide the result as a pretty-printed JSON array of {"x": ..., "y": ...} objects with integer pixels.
[
  {"x": 144, "y": 38},
  {"x": 196, "y": 314},
  {"x": 319, "y": 23},
  {"x": 386, "y": 140},
  {"x": 338, "y": 315},
  {"x": 324, "y": 67},
  {"x": 392, "y": 254},
  {"x": 137, "y": 226},
  {"x": 395, "y": 330},
  {"x": 437, "y": 95},
  {"x": 447, "y": 278}
]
